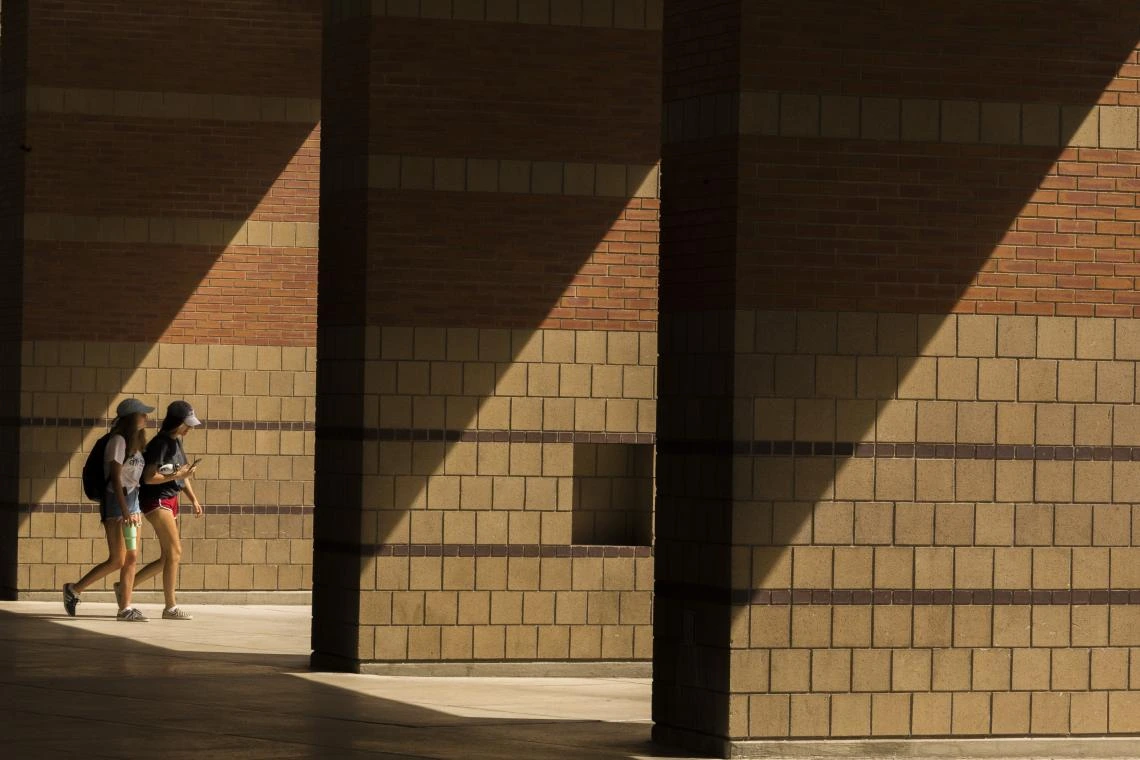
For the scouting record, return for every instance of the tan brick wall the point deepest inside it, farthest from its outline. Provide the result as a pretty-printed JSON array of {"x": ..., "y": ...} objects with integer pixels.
[
  {"x": 955, "y": 550},
  {"x": 495, "y": 512},
  {"x": 256, "y": 446},
  {"x": 496, "y": 307},
  {"x": 171, "y": 203}
]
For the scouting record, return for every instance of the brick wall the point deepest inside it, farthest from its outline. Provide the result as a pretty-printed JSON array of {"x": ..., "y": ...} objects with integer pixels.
[
  {"x": 898, "y": 502},
  {"x": 172, "y": 186},
  {"x": 495, "y": 382},
  {"x": 13, "y": 54}
]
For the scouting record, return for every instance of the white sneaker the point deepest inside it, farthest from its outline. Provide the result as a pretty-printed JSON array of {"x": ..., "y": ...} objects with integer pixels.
[
  {"x": 131, "y": 615},
  {"x": 176, "y": 613}
]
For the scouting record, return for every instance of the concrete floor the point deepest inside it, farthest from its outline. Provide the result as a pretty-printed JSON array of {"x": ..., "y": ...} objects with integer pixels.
[{"x": 233, "y": 683}]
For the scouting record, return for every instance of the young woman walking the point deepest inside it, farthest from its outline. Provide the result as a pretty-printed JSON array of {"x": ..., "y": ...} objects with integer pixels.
[
  {"x": 119, "y": 509},
  {"x": 165, "y": 476}
]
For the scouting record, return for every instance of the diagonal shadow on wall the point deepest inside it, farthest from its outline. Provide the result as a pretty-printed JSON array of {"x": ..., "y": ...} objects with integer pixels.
[
  {"x": 471, "y": 244},
  {"x": 150, "y": 188},
  {"x": 828, "y": 229}
]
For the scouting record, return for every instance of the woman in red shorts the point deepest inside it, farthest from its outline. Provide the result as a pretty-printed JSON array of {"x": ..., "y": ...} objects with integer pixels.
[{"x": 165, "y": 477}]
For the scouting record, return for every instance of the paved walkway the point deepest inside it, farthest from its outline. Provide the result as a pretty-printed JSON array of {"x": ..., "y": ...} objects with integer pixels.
[{"x": 233, "y": 683}]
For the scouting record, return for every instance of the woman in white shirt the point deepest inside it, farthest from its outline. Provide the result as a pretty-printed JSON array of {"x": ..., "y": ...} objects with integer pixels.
[{"x": 122, "y": 467}]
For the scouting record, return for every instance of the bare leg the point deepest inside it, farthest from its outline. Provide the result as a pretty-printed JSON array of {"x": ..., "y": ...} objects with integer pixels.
[
  {"x": 116, "y": 556},
  {"x": 127, "y": 576},
  {"x": 166, "y": 528}
]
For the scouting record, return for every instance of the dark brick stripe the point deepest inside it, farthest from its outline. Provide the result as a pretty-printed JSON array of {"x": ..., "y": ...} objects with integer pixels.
[
  {"x": 106, "y": 422},
  {"x": 1026, "y": 452},
  {"x": 919, "y": 597},
  {"x": 210, "y": 509},
  {"x": 482, "y": 550},
  {"x": 480, "y": 436}
]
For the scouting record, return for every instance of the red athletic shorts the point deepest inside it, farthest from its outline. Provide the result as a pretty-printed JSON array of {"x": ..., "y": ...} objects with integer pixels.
[{"x": 150, "y": 505}]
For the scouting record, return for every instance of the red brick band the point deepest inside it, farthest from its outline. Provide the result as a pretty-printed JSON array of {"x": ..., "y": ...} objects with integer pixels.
[
  {"x": 481, "y": 436},
  {"x": 211, "y": 509},
  {"x": 483, "y": 550},
  {"x": 908, "y": 597},
  {"x": 106, "y": 422},
  {"x": 923, "y": 450}
]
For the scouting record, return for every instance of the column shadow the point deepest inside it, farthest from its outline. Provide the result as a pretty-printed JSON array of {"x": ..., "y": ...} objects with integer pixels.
[
  {"x": 443, "y": 248},
  {"x": 832, "y": 227},
  {"x": 139, "y": 174},
  {"x": 256, "y": 705}
]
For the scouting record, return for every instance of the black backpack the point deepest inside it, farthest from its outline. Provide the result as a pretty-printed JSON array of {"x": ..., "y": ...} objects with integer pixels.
[{"x": 94, "y": 484}]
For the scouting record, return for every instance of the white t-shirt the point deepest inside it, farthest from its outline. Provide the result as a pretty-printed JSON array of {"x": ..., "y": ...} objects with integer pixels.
[{"x": 132, "y": 468}]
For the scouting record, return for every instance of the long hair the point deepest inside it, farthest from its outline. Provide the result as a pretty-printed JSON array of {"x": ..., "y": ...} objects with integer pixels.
[{"x": 134, "y": 435}]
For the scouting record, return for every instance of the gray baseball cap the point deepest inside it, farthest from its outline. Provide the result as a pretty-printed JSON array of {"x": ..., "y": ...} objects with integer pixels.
[{"x": 132, "y": 406}]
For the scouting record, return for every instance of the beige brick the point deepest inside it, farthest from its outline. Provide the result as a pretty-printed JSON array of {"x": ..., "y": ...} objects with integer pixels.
[
  {"x": 578, "y": 179},
  {"x": 1094, "y": 338},
  {"x": 881, "y": 118},
  {"x": 918, "y": 378},
  {"x": 799, "y": 115},
  {"x": 920, "y": 120},
  {"x": 1076, "y": 381},
  {"x": 877, "y": 377},
  {"x": 954, "y": 524},
  {"x": 997, "y": 379},
  {"x": 977, "y": 335},
  {"x": 610, "y": 180},
  {"x": 1011, "y": 626},
  {"x": 1040, "y": 124},
  {"x": 977, "y": 422},
  {"x": 1115, "y": 382},
  {"x": 514, "y": 176},
  {"x": 1010, "y": 713},
  {"x": 933, "y": 626},
  {"x": 1088, "y": 713},
  {"x": 769, "y": 715},
  {"x": 958, "y": 379},
  {"x": 850, "y": 714},
  {"x": 1050, "y": 713},
  {"x": 1080, "y": 126},
  {"x": 1117, "y": 127},
  {"x": 936, "y": 421},
  {"x": 1001, "y": 123},
  {"x": 951, "y": 669},
  {"x": 1037, "y": 380},
  {"x": 910, "y": 670},
  {"x": 991, "y": 670},
  {"x": 891, "y": 626},
  {"x": 1055, "y": 424},
  {"x": 839, "y": 116},
  {"x": 482, "y": 175},
  {"x": 1017, "y": 336},
  {"x": 896, "y": 421},
  {"x": 960, "y": 124},
  {"x": 1093, "y": 425}
]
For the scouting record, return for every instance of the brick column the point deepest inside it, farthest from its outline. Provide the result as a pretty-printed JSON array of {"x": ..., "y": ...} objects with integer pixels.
[
  {"x": 13, "y": 70},
  {"x": 488, "y": 345},
  {"x": 167, "y": 218},
  {"x": 898, "y": 347}
]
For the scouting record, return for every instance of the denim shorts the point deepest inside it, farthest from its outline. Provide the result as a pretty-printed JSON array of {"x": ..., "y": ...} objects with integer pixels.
[{"x": 109, "y": 508}]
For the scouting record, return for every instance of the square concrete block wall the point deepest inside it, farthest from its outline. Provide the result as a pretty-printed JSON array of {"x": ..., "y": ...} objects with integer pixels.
[
  {"x": 492, "y": 449},
  {"x": 256, "y": 448},
  {"x": 935, "y": 525}
]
